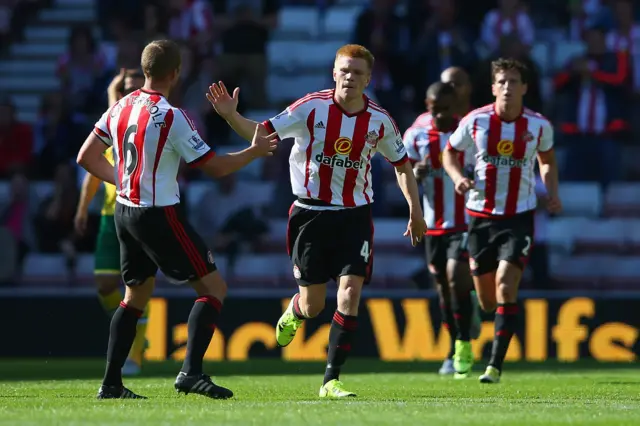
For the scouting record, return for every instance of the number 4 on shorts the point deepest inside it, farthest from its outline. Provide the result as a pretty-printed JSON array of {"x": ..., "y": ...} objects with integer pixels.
[{"x": 365, "y": 252}]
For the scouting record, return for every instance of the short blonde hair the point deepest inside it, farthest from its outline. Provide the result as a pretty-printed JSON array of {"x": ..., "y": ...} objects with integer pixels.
[{"x": 356, "y": 51}]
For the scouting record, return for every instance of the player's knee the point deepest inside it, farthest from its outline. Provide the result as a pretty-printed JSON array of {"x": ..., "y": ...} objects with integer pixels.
[
  {"x": 349, "y": 295},
  {"x": 211, "y": 285},
  {"x": 506, "y": 292},
  {"x": 487, "y": 304},
  {"x": 107, "y": 284}
]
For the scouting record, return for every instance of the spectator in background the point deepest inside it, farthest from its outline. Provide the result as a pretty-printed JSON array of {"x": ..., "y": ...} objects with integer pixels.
[
  {"x": 442, "y": 44},
  {"x": 54, "y": 220},
  {"x": 625, "y": 39},
  {"x": 592, "y": 110},
  {"x": 245, "y": 27},
  {"x": 510, "y": 18},
  {"x": 195, "y": 76},
  {"x": 17, "y": 215},
  {"x": 191, "y": 21},
  {"x": 79, "y": 68},
  {"x": 58, "y": 136},
  {"x": 232, "y": 217},
  {"x": 275, "y": 169},
  {"x": 16, "y": 140},
  {"x": 510, "y": 47},
  {"x": 154, "y": 26},
  {"x": 379, "y": 28}
]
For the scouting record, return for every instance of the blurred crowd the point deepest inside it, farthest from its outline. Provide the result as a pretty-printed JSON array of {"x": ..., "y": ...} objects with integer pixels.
[{"x": 592, "y": 102}]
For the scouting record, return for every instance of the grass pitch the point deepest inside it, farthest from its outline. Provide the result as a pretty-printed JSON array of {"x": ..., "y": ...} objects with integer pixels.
[{"x": 271, "y": 392}]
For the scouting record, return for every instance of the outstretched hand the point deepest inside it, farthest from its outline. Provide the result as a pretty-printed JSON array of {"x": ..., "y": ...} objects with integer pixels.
[
  {"x": 264, "y": 144},
  {"x": 224, "y": 104}
]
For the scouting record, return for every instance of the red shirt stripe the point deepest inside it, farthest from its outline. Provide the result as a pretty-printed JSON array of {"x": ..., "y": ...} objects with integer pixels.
[
  {"x": 123, "y": 124},
  {"x": 515, "y": 176},
  {"x": 309, "y": 151},
  {"x": 491, "y": 183},
  {"x": 162, "y": 141},
  {"x": 357, "y": 146},
  {"x": 138, "y": 142},
  {"x": 332, "y": 134}
]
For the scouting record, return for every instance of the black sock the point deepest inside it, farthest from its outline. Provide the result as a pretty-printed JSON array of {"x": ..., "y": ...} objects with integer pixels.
[
  {"x": 122, "y": 332},
  {"x": 296, "y": 307},
  {"x": 200, "y": 326},
  {"x": 341, "y": 336},
  {"x": 448, "y": 322},
  {"x": 505, "y": 325},
  {"x": 463, "y": 314}
]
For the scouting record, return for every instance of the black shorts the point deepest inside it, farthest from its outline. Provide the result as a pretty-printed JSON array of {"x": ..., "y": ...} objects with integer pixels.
[
  {"x": 494, "y": 239},
  {"x": 441, "y": 248},
  {"x": 160, "y": 237},
  {"x": 326, "y": 244}
]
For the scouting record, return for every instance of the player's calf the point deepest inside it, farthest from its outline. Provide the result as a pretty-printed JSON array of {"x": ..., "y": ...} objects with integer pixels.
[
  {"x": 343, "y": 326},
  {"x": 307, "y": 303},
  {"x": 506, "y": 318}
]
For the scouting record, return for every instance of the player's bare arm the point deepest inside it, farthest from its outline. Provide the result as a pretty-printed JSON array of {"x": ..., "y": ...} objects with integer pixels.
[
  {"x": 261, "y": 146},
  {"x": 91, "y": 158},
  {"x": 454, "y": 169},
  {"x": 549, "y": 174},
  {"x": 416, "y": 227},
  {"x": 90, "y": 185},
  {"x": 226, "y": 106}
]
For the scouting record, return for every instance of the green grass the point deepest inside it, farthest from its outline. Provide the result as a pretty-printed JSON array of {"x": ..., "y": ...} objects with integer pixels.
[{"x": 270, "y": 392}]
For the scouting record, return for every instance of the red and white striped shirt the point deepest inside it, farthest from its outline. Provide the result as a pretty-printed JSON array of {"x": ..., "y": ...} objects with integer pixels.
[
  {"x": 629, "y": 44},
  {"x": 331, "y": 157},
  {"x": 443, "y": 207},
  {"x": 505, "y": 155},
  {"x": 149, "y": 137}
]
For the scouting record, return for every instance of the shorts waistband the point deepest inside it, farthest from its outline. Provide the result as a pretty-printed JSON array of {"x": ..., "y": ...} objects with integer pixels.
[{"x": 314, "y": 202}]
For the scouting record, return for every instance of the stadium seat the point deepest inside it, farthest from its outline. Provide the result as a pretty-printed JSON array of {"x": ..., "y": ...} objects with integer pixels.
[
  {"x": 622, "y": 273},
  {"x": 581, "y": 199},
  {"x": 5, "y": 191},
  {"x": 341, "y": 20},
  {"x": 294, "y": 55},
  {"x": 583, "y": 272},
  {"x": 601, "y": 236},
  {"x": 540, "y": 55},
  {"x": 632, "y": 236},
  {"x": 388, "y": 236},
  {"x": 395, "y": 269},
  {"x": 84, "y": 265},
  {"x": 265, "y": 269},
  {"x": 561, "y": 232},
  {"x": 622, "y": 199},
  {"x": 277, "y": 235},
  {"x": 297, "y": 20},
  {"x": 563, "y": 52},
  {"x": 287, "y": 88},
  {"x": 44, "y": 265}
]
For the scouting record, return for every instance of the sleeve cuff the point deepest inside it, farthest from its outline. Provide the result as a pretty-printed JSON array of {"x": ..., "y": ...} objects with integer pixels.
[
  {"x": 202, "y": 159},
  {"x": 269, "y": 126},
  {"x": 451, "y": 148},
  {"x": 400, "y": 162},
  {"x": 544, "y": 152},
  {"x": 104, "y": 137}
]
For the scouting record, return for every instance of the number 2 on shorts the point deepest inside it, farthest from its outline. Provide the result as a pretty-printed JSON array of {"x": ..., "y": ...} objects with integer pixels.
[
  {"x": 365, "y": 252},
  {"x": 525, "y": 250}
]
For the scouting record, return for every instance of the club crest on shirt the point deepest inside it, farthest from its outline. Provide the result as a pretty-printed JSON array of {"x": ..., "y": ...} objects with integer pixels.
[
  {"x": 296, "y": 272},
  {"x": 372, "y": 138},
  {"x": 527, "y": 137}
]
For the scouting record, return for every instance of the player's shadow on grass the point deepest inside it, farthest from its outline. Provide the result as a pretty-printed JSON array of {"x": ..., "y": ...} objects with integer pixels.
[{"x": 69, "y": 369}]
